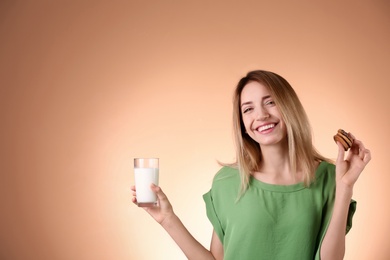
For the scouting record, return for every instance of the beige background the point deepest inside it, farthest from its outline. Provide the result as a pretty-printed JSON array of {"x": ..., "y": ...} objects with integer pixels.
[{"x": 88, "y": 85}]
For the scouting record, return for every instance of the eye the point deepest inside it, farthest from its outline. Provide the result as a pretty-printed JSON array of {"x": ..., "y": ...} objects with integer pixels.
[
  {"x": 270, "y": 102},
  {"x": 246, "y": 110}
]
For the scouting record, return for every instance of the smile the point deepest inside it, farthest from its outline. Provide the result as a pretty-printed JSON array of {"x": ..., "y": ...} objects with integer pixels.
[{"x": 265, "y": 127}]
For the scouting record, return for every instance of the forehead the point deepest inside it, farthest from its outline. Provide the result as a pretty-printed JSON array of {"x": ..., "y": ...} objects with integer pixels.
[{"x": 254, "y": 90}]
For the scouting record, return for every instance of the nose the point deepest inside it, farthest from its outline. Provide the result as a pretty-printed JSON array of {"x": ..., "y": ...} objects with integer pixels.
[{"x": 262, "y": 114}]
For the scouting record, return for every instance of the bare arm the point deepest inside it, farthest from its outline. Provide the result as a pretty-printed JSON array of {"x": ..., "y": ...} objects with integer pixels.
[
  {"x": 347, "y": 173},
  {"x": 163, "y": 213},
  {"x": 333, "y": 245},
  {"x": 216, "y": 247}
]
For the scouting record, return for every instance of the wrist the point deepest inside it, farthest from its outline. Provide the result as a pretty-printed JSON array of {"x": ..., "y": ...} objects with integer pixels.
[
  {"x": 169, "y": 220},
  {"x": 344, "y": 192}
]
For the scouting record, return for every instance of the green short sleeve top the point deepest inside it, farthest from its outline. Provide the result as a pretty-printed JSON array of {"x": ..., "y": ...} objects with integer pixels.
[{"x": 272, "y": 221}]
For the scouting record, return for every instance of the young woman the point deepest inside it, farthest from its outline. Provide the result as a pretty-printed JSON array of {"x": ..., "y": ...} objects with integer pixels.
[{"x": 281, "y": 199}]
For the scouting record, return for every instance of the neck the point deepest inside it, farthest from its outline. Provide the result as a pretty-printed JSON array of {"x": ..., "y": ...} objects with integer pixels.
[
  {"x": 275, "y": 158},
  {"x": 275, "y": 166}
]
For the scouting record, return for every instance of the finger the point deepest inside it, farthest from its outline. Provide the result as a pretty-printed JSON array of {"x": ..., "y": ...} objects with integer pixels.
[
  {"x": 157, "y": 189},
  {"x": 358, "y": 143},
  {"x": 354, "y": 139},
  {"x": 341, "y": 154},
  {"x": 367, "y": 156},
  {"x": 134, "y": 200},
  {"x": 132, "y": 187},
  {"x": 358, "y": 148},
  {"x": 352, "y": 136},
  {"x": 161, "y": 197},
  {"x": 361, "y": 154}
]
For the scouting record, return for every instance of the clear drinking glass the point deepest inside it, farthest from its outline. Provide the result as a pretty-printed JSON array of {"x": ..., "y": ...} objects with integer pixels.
[{"x": 146, "y": 172}]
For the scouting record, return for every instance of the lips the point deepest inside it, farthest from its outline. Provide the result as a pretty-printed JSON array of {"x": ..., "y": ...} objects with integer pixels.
[{"x": 265, "y": 127}]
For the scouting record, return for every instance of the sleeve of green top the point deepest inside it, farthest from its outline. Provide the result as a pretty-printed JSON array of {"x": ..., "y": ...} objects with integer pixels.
[
  {"x": 351, "y": 212},
  {"x": 212, "y": 215}
]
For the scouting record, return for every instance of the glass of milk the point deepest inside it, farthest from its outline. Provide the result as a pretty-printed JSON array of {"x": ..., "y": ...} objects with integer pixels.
[{"x": 145, "y": 173}]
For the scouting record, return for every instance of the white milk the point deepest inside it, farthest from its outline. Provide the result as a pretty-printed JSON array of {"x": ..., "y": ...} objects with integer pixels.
[{"x": 144, "y": 177}]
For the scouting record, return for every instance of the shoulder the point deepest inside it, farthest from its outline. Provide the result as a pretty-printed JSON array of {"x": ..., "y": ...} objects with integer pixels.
[
  {"x": 326, "y": 174},
  {"x": 226, "y": 178},
  {"x": 325, "y": 168},
  {"x": 226, "y": 172}
]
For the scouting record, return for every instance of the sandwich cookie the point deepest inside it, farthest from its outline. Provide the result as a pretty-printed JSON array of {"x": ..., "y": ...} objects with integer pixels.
[{"x": 344, "y": 138}]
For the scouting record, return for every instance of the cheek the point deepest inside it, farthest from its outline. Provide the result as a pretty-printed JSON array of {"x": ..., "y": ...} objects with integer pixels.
[
  {"x": 247, "y": 123},
  {"x": 283, "y": 127}
]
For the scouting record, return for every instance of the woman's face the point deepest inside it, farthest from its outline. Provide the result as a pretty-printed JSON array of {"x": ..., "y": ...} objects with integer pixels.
[{"x": 261, "y": 117}]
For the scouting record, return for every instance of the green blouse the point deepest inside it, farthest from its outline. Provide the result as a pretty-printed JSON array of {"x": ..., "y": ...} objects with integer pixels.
[{"x": 272, "y": 221}]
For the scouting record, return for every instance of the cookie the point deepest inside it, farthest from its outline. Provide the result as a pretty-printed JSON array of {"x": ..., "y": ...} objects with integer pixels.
[{"x": 343, "y": 138}]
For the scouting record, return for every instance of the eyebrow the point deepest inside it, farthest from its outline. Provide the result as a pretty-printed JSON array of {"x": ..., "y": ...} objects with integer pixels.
[{"x": 250, "y": 102}]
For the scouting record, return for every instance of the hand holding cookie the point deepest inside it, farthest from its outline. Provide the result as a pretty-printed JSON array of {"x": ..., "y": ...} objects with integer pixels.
[{"x": 349, "y": 169}]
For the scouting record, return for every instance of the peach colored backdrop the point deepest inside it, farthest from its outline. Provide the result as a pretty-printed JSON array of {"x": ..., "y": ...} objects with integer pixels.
[{"x": 88, "y": 85}]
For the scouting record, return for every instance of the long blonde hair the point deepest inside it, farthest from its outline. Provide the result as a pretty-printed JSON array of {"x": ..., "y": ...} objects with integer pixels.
[{"x": 302, "y": 154}]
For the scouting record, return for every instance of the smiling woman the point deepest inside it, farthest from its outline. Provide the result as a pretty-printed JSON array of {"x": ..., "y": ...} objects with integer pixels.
[{"x": 281, "y": 199}]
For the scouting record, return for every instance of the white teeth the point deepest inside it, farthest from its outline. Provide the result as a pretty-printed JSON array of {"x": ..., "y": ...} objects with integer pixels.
[{"x": 265, "y": 127}]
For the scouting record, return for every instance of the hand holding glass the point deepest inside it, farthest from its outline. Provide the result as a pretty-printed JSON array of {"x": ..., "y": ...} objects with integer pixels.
[{"x": 146, "y": 172}]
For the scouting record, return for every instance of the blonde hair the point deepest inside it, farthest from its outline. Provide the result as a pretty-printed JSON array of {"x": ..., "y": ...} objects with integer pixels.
[{"x": 302, "y": 154}]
